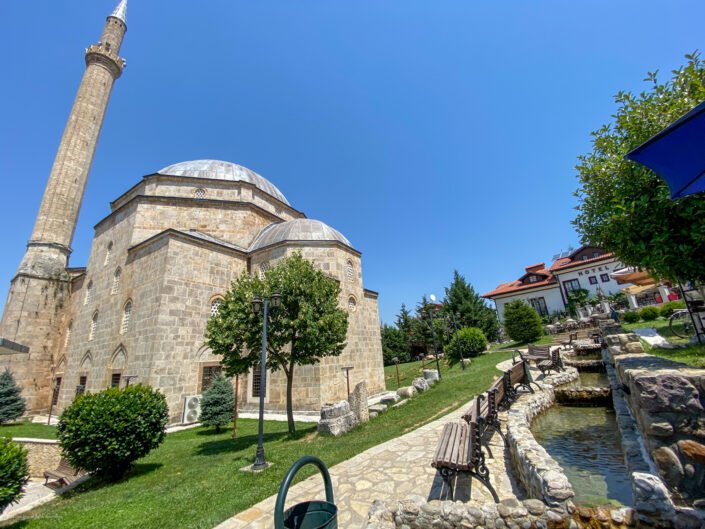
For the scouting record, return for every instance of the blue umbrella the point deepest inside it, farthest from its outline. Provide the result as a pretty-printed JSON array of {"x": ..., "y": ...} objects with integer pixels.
[{"x": 677, "y": 154}]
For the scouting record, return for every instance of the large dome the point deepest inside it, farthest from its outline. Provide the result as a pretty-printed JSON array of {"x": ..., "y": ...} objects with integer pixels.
[
  {"x": 297, "y": 230},
  {"x": 219, "y": 170}
]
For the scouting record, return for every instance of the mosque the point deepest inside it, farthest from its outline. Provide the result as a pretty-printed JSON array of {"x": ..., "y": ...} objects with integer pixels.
[{"x": 158, "y": 268}]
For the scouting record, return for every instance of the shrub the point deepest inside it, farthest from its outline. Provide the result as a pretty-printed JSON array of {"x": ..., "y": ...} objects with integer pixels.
[
  {"x": 106, "y": 432},
  {"x": 649, "y": 313},
  {"x": 11, "y": 401},
  {"x": 631, "y": 317},
  {"x": 670, "y": 307},
  {"x": 522, "y": 322},
  {"x": 470, "y": 341},
  {"x": 217, "y": 404},
  {"x": 13, "y": 472}
]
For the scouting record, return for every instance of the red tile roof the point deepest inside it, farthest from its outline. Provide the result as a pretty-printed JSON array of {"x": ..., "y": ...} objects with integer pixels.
[
  {"x": 518, "y": 285},
  {"x": 567, "y": 262}
]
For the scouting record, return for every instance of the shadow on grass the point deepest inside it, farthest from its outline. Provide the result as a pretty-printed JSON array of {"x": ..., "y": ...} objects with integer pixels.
[
  {"x": 97, "y": 483},
  {"x": 17, "y": 525},
  {"x": 229, "y": 445}
]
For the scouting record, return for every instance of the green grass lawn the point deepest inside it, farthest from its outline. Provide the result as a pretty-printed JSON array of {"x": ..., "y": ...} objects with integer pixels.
[
  {"x": 28, "y": 429},
  {"x": 661, "y": 327},
  {"x": 192, "y": 480},
  {"x": 510, "y": 346},
  {"x": 693, "y": 355}
]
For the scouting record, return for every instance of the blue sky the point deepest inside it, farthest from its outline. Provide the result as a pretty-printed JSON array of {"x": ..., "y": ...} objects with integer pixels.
[{"x": 436, "y": 135}]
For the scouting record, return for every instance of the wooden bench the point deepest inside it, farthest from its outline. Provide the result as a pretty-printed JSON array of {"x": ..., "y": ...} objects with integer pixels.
[
  {"x": 459, "y": 452},
  {"x": 565, "y": 344},
  {"x": 484, "y": 411},
  {"x": 63, "y": 476},
  {"x": 518, "y": 376},
  {"x": 545, "y": 357}
]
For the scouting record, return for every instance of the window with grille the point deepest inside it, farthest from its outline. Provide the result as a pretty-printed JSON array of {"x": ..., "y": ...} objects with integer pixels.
[
  {"x": 215, "y": 306},
  {"x": 115, "y": 380},
  {"x": 116, "y": 281},
  {"x": 89, "y": 293},
  {"x": 55, "y": 393},
  {"x": 126, "y": 314},
  {"x": 200, "y": 193},
  {"x": 539, "y": 305},
  {"x": 605, "y": 278},
  {"x": 94, "y": 326},
  {"x": 352, "y": 304},
  {"x": 263, "y": 267},
  {"x": 349, "y": 270},
  {"x": 108, "y": 254},
  {"x": 256, "y": 381},
  {"x": 208, "y": 375},
  {"x": 68, "y": 334},
  {"x": 570, "y": 285},
  {"x": 593, "y": 280},
  {"x": 81, "y": 388}
]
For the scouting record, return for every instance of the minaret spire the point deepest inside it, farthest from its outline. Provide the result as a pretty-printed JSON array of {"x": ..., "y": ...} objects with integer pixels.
[{"x": 120, "y": 12}]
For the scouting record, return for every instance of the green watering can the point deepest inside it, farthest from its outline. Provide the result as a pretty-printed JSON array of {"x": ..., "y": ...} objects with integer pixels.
[{"x": 314, "y": 514}]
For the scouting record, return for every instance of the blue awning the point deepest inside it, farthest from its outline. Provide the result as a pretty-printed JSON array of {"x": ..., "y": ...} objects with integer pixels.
[{"x": 677, "y": 154}]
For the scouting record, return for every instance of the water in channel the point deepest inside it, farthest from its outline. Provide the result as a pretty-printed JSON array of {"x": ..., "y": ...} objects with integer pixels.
[{"x": 587, "y": 444}]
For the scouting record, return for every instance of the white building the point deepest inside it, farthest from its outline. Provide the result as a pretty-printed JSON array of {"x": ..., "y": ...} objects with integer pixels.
[{"x": 546, "y": 289}]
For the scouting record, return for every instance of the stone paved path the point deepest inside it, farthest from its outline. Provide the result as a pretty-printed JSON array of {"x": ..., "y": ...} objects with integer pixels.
[{"x": 394, "y": 469}]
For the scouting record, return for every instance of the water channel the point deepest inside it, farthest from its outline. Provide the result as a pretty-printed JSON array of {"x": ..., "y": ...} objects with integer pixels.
[{"x": 586, "y": 442}]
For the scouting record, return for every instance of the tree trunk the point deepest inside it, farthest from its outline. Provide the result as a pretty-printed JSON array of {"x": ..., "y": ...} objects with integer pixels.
[
  {"x": 289, "y": 399},
  {"x": 237, "y": 388}
]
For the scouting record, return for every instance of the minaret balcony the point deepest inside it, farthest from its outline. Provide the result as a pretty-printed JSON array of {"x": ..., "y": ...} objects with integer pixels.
[{"x": 99, "y": 54}]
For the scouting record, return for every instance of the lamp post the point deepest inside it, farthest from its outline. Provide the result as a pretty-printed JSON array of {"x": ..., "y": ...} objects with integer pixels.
[
  {"x": 428, "y": 310},
  {"x": 260, "y": 304}
]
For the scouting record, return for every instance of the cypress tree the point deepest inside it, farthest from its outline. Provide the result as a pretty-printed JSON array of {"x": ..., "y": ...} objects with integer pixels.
[
  {"x": 217, "y": 404},
  {"x": 12, "y": 404}
]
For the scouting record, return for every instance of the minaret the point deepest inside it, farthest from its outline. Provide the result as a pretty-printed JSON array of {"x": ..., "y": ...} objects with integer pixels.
[{"x": 38, "y": 291}]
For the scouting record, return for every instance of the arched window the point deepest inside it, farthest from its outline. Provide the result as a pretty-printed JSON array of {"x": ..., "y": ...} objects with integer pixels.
[
  {"x": 108, "y": 253},
  {"x": 352, "y": 304},
  {"x": 68, "y": 334},
  {"x": 215, "y": 306},
  {"x": 200, "y": 193},
  {"x": 126, "y": 314},
  {"x": 89, "y": 293},
  {"x": 263, "y": 267},
  {"x": 94, "y": 326},
  {"x": 349, "y": 270},
  {"x": 116, "y": 281}
]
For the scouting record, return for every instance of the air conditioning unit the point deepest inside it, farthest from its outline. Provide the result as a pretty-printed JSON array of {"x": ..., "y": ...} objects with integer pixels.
[{"x": 192, "y": 409}]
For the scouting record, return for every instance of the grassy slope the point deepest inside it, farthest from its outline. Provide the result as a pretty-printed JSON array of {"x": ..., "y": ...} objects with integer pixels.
[
  {"x": 192, "y": 480},
  {"x": 28, "y": 429},
  {"x": 693, "y": 355},
  {"x": 544, "y": 340}
]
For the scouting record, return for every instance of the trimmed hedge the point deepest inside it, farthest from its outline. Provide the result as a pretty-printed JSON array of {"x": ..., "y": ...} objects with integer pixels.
[
  {"x": 522, "y": 322},
  {"x": 106, "y": 432},
  {"x": 649, "y": 313},
  {"x": 670, "y": 307},
  {"x": 631, "y": 317},
  {"x": 14, "y": 472},
  {"x": 470, "y": 341}
]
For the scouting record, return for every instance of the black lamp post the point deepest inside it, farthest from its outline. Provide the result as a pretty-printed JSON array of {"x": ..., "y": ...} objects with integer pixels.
[
  {"x": 259, "y": 304},
  {"x": 429, "y": 313}
]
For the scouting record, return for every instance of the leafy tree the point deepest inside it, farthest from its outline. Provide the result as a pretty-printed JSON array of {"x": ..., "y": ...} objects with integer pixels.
[
  {"x": 217, "y": 403},
  {"x": 307, "y": 326},
  {"x": 576, "y": 298},
  {"x": 470, "y": 341},
  {"x": 394, "y": 345},
  {"x": 12, "y": 404},
  {"x": 14, "y": 472},
  {"x": 404, "y": 320},
  {"x": 469, "y": 308},
  {"x": 106, "y": 432},
  {"x": 623, "y": 206},
  {"x": 522, "y": 322}
]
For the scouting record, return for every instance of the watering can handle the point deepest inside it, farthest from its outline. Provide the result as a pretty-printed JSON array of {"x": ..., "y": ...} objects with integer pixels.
[{"x": 284, "y": 488}]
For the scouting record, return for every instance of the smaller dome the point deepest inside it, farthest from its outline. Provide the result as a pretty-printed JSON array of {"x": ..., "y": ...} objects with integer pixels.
[{"x": 297, "y": 230}]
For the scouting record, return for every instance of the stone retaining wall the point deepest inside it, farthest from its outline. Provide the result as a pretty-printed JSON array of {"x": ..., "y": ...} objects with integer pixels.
[
  {"x": 416, "y": 513},
  {"x": 42, "y": 455},
  {"x": 584, "y": 396},
  {"x": 540, "y": 475}
]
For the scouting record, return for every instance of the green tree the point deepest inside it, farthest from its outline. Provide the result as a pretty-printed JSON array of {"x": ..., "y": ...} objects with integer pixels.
[
  {"x": 576, "y": 298},
  {"x": 307, "y": 326},
  {"x": 14, "y": 472},
  {"x": 522, "y": 322},
  {"x": 469, "y": 308},
  {"x": 217, "y": 403},
  {"x": 12, "y": 404},
  {"x": 623, "y": 206},
  {"x": 394, "y": 345},
  {"x": 470, "y": 341},
  {"x": 106, "y": 432}
]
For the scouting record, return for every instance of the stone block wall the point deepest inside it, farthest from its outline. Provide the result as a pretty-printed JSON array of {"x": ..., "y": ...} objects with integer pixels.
[{"x": 42, "y": 455}]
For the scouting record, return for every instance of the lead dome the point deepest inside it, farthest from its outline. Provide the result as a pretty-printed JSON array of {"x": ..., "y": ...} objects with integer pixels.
[
  {"x": 220, "y": 170},
  {"x": 297, "y": 230}
]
